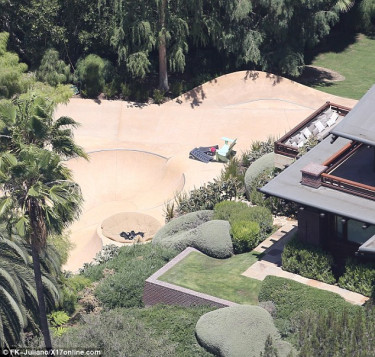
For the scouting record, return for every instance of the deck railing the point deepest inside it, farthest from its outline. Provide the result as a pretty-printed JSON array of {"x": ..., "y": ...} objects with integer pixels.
[
  {"x": 341, "y": 184},
  {"x": 355, "y": 188},
  {"x": 291, "y": 151}
]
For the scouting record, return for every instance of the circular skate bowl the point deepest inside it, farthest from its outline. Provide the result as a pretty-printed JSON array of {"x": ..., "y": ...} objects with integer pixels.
[
  {"x": 121, "y": 177},
  {"x": 115, "y": 181},
  {"x": 142, "y": 225}
]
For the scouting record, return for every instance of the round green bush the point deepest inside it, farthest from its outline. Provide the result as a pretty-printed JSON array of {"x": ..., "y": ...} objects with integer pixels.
[
  {"x": 261, "y": 215},
  {"x": 211, "y": 238},
  {"x": 245, "y": 236},
  {"x": 181, "y": 224},
  {"x": 265, "y": 162},
  {"x": 239, "y": 211},
  {"x": 227, "y": 209},
  {"x": 238, "y": 331}
]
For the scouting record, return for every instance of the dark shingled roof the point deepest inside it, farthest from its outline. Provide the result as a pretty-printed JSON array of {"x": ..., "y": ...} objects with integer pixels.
[
  {"x": 287, "y": 186},
  {"x": 359, "y": 123}
]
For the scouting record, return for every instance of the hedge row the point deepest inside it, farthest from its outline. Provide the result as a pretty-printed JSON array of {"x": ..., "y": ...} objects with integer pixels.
[
  {"x": 308, "y": 261},
  {"x": 291, "y": 297},
  {"x": 358, "y": 277},
  {"x": 314, "y": 263}
]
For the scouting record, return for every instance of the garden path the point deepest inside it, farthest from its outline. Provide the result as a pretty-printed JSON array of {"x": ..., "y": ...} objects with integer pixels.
[{"x": 270, "y": 264}]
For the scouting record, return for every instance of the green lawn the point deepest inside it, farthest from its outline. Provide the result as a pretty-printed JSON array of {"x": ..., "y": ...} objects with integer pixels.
[
  {"x": 218, "y": 277},
  {"x": 355, "y": 63}
]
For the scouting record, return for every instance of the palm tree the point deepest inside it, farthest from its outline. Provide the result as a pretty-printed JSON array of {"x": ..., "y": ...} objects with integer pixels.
[
  {"x": 18, "y": 297},
  {"x": 39, "y": 196}
]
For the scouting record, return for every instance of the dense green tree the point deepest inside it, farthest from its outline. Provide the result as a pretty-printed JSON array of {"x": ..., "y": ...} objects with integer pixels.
[
  {"x": 87, "y": 30},
  {"x": 52, "y": 69},
  {"x": 289, "y": 28},
  {"x": 366, "y": 12},
  {"x": 39, "y": 196},
  {"x": 33, "y": 25},
  {"x": 157, "y": 35},
  {"x": 92, "y": 72},
  {"x": 140, "y": 27},
  {"x": 12, "y": 78}
]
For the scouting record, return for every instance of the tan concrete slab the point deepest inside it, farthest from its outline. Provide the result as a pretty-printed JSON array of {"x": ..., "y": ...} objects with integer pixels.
[{"x": 244, "y": 105}]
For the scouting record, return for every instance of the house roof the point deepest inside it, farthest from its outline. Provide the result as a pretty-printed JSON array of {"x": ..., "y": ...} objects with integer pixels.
[
  {"x": 368, "y": 246},
  {"x": 359, "y": 123},
  {"x": 287, "y": 186}
]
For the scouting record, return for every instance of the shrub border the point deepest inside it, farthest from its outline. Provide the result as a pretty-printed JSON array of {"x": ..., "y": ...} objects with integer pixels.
[{"x": 159, "y": 292}]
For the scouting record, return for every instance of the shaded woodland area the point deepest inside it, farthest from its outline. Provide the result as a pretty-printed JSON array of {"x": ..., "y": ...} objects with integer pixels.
[{"x": 130, "y": 48}]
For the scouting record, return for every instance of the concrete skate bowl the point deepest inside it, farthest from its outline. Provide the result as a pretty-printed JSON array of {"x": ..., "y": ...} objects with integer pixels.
[
  {"x": 114, "y": 181},
  {"x": 138, "y": 227},
  {"x": 126, "y": 178}
]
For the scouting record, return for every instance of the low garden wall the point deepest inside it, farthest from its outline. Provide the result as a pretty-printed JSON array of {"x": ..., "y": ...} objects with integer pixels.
[{"x": 160, "y": 292}]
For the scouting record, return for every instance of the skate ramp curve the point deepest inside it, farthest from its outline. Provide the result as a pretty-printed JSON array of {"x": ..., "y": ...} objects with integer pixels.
[{"x": 118, "y": 180}]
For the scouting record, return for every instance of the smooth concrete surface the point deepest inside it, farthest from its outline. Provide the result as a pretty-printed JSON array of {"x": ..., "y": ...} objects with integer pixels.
[{"x": 246, "y": 105}]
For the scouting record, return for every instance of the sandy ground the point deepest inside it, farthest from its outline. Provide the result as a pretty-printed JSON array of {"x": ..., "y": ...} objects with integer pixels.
[{"x": 154, "y": 141}]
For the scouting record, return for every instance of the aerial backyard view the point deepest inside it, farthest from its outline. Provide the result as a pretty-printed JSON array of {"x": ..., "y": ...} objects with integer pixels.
[{"x": 187, "y": 178}]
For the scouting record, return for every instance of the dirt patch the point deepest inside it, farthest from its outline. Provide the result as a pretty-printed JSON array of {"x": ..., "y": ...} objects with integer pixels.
[{"x": 315, "y": 74}]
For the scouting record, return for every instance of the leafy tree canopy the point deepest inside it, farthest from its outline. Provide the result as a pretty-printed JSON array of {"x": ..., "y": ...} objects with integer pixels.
[{"x": 12, "y": 77}]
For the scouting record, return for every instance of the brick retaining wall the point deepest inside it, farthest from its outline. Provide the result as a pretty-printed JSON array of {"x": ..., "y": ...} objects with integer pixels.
[{"x": 160, "y": 292}]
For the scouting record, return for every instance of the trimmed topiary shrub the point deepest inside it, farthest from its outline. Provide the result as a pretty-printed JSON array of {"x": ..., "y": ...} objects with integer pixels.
[
  {"x": 211, "y": 238},
  {"x": 358, "y": 277},
  {"x": 307, "y": 260},
  {"x": 245, "y": 236},
  {"x": 265, "y": 162},
  {"x": 239, "y": 331},
  {"x": 239, "y": 211},
  {"x": 182, "y": 224}
]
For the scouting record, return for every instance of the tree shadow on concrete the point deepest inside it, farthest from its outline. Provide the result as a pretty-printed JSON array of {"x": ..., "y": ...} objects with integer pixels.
[
  {"x": 197, "y": 95},
  {"x": 139, "y": 105},
  {"x": 254, "y": 75}
]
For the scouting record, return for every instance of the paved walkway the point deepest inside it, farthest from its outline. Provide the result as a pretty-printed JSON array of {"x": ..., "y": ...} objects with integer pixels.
[{"x": 270, "y": 264}]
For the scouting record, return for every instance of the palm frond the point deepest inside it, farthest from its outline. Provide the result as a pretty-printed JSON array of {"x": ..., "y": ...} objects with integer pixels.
[
  {"x": 51, "y": 293},
  {"x": 13, "y": 313},
  {"x": 9, "y": 247},
  {"x": 65, "y": 121},
  {"x": 11, "y": 284}
]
